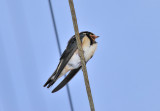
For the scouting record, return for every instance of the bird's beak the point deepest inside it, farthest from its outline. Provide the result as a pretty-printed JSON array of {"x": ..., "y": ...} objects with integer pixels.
[{"x": 94, "y": 36}]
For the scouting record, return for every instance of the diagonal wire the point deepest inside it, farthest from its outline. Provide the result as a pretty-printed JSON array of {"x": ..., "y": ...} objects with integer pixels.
[
  {"x": 74, "y": 19},
  {"x": 60, "y": 52}
]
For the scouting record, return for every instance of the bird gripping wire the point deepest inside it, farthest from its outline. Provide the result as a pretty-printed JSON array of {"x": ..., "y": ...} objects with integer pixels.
[{"x": 74, "y": 19}]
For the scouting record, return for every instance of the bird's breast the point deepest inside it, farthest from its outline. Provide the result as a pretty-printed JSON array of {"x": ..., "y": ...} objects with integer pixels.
[
  {"x": 89, "y": 51},
  {"x": 88, "y": 48},
  {"x": 75, "y": 61}
]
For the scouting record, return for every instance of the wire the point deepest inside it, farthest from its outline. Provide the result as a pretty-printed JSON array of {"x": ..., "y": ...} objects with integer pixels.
[
  {"x": 74, "y": 19},
  {"x": 60, "y": 52}
]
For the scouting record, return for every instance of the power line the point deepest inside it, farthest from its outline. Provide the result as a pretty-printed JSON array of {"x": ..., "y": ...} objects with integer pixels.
[
  {"x": 60, "y": 52},
  {"x": 74, "y": 19}
]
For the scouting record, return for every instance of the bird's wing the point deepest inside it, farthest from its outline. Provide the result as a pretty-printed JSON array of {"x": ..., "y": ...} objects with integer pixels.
[
  {"x": 66, "y": 79},
  {"x": 67, "y": 54}
]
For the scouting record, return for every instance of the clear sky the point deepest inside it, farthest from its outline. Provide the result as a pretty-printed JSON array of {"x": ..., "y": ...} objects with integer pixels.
[{"x": 124, "y": 73}]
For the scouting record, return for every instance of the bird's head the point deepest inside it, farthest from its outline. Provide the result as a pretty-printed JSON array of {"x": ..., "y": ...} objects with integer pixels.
[{"x": 90, "y": 35}]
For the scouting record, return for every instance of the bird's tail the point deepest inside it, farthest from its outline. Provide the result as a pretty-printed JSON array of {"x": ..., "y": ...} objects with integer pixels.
[{"x": 51, "y": 80}]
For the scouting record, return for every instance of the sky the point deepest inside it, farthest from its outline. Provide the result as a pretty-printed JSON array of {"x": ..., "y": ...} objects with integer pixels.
[{"x": 124, "y": 73}]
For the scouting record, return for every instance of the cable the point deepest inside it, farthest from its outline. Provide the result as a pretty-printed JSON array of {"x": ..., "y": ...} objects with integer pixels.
[
  {"x": 60, "y": 52},
  {"x": 74, "y": 19}
]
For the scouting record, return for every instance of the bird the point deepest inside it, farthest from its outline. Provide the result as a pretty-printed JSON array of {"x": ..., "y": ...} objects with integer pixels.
[{"x": 70, "y": 59}]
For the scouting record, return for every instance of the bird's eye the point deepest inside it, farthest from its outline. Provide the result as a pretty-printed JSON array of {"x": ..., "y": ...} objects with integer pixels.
[{"x": 92, "y": 34}]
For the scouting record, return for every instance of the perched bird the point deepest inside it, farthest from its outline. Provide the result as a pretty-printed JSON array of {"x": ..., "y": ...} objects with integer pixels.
[{"x": 70, "y": 60}]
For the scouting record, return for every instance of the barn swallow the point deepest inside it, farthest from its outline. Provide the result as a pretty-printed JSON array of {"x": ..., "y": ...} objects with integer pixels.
[{"x": 70, "y": 59}]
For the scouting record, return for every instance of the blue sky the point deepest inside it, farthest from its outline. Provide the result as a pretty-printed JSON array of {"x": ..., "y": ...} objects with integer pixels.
[{"x": 124, "y": 73}]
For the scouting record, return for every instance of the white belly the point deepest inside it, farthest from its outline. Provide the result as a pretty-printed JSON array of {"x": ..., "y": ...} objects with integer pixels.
[
  {"x": 89, "y": 51},
  {"x": 75, "y": 61}
]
